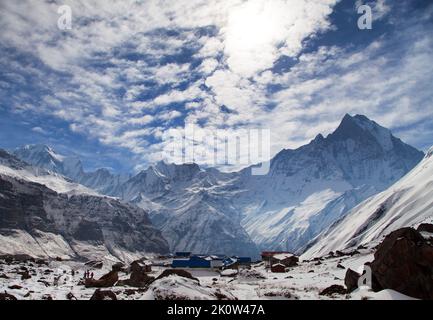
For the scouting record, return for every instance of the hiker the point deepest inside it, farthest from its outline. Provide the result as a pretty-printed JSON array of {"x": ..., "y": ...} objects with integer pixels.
[{"x": 91, "y": 275}]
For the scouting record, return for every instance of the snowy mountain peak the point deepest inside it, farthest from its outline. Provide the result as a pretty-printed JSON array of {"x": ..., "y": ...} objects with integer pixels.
[
  {"x": 45, "y": 157},
  {"x": 177, "y": 172},
  {"x": 359, "y": 127}
]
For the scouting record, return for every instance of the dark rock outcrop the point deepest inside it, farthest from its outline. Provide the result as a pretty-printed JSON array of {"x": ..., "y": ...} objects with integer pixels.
[
  {"x": 7, "y": 296},
  {"x": 425, "y": 227},
  {"x": 404, "y": 262},
  {"x": 177, "y": 272},
  {"x": 334, "y": 289},
  {"x": 119, "y": 267},
  {"x": 106, "y": 281},
  {"x": 138, "y": 278},
  {"x": 103, "y": 295},
  {"x": 351, "y": 280}
]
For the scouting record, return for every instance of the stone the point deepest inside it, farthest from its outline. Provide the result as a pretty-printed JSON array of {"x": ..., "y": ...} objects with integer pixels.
[
  {"x": 404, "y": 262},
  {"x": 103, "y": 295},
  {"x": 334, "y": 289},
  {"x": 178, "y": 272},
  {"x": 7, "y": 296},
  {"x": 351, "y": 280},
  {"x": 106, "y": 281}
]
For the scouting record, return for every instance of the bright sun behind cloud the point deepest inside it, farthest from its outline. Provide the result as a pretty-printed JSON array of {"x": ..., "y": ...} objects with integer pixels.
[{"x": 258, "y": 30}]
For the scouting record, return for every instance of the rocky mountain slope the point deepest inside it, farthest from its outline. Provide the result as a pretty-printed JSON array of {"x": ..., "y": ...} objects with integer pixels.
[{"x": 39, "y": 221}]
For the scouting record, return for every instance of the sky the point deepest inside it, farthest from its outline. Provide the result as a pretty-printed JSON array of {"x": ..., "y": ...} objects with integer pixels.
[{"x": 128, "y": 71}]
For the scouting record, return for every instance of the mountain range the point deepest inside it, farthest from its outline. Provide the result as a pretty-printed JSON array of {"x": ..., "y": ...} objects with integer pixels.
[{"x": 307, "y": 191}]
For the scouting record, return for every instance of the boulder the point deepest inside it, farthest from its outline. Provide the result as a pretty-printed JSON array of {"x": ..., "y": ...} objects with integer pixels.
[
  {"x": 119, "y": 267},
  {"x": 137, "y": 279},
  {"x": 178, "y": 272},
  {"x": 7, "y": 296},
  {"x": 351, "y": 280},
  {"x": 425, "y": 227},
  {"x": 25, "y": 275},
  {"x": 404, "y": 262},
  {"x": 334, "y": 289},
  {"x": 15, "y": 287},
  {"x": 105, "y": 281},
  {"x": 70, "y": 296},
  {"x": 103, "y": 295}
]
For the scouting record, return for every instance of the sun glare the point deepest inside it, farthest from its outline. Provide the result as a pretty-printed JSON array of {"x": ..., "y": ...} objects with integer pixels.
[{"x": 252, "y": 32}]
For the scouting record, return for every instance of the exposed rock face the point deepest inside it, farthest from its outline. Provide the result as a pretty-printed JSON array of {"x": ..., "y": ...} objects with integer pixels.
[
  {"x": 77, "y": 222},
  {"x": 404, "y": 263},
  {"x": 103, "y": 295}
]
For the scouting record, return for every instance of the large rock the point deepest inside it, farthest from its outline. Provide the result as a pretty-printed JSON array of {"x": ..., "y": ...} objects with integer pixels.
[
  {"x": 351, "y": 280},
  {"x": 138, "y": 277},
  {"x": 103, "y": 295},
  {"x": 404, "y": 262},
  {"x": 425, "y": 227},
  {"x": 7, "y": 296},
  {"x": 106, "y": 281},
  {"x": 180, "y": 273},
  {"x": 334, "y": 289}
]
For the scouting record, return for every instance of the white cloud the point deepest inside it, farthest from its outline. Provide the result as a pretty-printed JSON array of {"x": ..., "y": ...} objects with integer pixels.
[
  {"x": 39, "y": 130},
  {"x": 259, "y": 31}
]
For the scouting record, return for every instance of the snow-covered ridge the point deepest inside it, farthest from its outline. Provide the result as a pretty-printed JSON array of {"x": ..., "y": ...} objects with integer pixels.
[
  {"x": 11, "y": 166},
  {"x": 409, "y": 202},
  {"x": 42, "y": 156}
]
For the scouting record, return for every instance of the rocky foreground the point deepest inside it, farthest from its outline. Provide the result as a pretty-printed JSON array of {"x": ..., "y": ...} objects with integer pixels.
[{"x": 402, "y": 268}]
